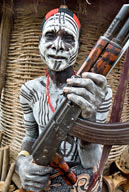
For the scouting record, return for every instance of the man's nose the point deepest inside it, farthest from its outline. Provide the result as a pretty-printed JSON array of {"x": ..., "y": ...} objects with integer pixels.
[{"x": 58, "y": 44}]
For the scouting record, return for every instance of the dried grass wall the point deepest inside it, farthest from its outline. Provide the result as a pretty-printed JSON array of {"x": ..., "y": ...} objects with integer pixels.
[{"x": 24, "y": 62}]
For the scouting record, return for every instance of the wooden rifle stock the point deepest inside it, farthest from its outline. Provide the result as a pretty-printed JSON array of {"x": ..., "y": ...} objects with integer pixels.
[
  {"x": 63, "y": 168},
  {"x": 101, "y": 60}
]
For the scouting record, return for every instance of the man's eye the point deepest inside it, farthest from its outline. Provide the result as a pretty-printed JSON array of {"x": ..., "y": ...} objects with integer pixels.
[
  {"x": 50, "y": 36},
  {"x": 68, "y": 38}
]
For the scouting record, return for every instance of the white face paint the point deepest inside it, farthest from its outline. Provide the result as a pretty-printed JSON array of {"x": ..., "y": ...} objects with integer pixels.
[{"x": 59, "y": 42}]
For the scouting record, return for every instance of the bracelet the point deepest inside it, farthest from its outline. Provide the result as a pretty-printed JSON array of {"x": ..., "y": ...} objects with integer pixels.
[{"x": 24, "y": 153}]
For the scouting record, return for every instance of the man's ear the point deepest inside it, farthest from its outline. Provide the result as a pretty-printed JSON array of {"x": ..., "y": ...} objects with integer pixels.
[
  {"x": 40, "y": 35},
  {"x": 79, "y": 40},
  {"x": 79, "y": 44}
]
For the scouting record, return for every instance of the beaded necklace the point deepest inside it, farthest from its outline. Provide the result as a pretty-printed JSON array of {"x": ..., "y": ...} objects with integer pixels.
[{"x": 48, "y": 96}]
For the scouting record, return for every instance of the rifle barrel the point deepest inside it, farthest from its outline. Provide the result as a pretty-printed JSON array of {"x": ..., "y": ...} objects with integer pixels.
[
  {"x": 125, "y": 40},
  {"x": 124, "y": 31},
  {"x": 118, "y": 20}
]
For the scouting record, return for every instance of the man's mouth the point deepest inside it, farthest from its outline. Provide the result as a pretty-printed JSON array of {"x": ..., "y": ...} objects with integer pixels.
[{"x": 56, "y": 57}]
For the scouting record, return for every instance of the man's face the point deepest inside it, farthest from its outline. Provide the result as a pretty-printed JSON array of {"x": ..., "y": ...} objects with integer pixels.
[{"x": 59, "y": 42}]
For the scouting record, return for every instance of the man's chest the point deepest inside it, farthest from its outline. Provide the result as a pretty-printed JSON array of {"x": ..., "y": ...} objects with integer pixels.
[{"x": 42, "y": 107}]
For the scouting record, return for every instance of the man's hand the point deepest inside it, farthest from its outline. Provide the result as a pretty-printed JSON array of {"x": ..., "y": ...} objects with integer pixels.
[
  {"x": 88, "y": 92},
  {"x": 33, "y": 177}
]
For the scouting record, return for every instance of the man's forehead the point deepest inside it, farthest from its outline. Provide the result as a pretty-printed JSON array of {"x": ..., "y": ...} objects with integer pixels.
[
  {"x": 61, "y": 21},
  {"x": 57, "y": 28}
]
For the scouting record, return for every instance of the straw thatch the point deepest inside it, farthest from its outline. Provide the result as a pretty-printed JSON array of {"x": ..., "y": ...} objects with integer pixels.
[{"x": 24, "y": 62}]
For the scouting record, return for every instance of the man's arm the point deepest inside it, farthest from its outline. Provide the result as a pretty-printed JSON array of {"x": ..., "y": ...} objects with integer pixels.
[
  {"x": 33, "y": 177},
  {"x": 94, "y": 97}
]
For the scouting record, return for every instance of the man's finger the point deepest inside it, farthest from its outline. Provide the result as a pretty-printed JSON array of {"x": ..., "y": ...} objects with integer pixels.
[
  {"x": 80, "y": 101},
  {"x": 39, "y": 179},
  {"x": 35, "y": 186},
  {"x": 40, "y": 170},
  {"x": 97, "y": 78},
  {"x": 83, "y": 82},
  {"x": 82, "y": 92}
]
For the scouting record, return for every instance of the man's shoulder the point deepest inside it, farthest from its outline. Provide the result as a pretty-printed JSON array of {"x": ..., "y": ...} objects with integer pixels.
[
  {"x": 31, "y": 90},
  {"x": 34, "y": 84}
]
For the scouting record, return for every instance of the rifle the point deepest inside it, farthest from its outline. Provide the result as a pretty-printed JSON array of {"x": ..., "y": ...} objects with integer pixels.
[{"x": 102, "y": 58}]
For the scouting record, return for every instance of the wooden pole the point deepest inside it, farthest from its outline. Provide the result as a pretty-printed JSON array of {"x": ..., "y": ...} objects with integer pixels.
[
  {"x": 5, "y": 29},
  {"x": 16, "y": 180},
  {"x": 121, "y": 91},
  {"x": 5, "y": 165},
  {"x": 1, "y": 135},
  {"x": 1, "y": 160},
  {"x": 9, "y": 178}
]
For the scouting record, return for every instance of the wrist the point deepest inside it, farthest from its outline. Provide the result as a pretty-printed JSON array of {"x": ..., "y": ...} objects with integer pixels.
[
  {"x": 19, "y": 162},
  {"x": 20, "y": 159},
  {"x": 24, "y": 153}
]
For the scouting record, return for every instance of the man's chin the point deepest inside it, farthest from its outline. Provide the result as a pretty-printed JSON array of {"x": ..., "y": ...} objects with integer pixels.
[
  {"x": 59, "y": 70},
  {"x": 57, "y": 66}
]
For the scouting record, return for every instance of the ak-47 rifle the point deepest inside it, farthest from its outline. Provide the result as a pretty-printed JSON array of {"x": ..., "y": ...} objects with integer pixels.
[{"x": 102, "y": 58}]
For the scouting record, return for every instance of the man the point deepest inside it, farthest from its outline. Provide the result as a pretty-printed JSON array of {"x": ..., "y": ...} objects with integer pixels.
[{"x": 40, "y": 97}]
